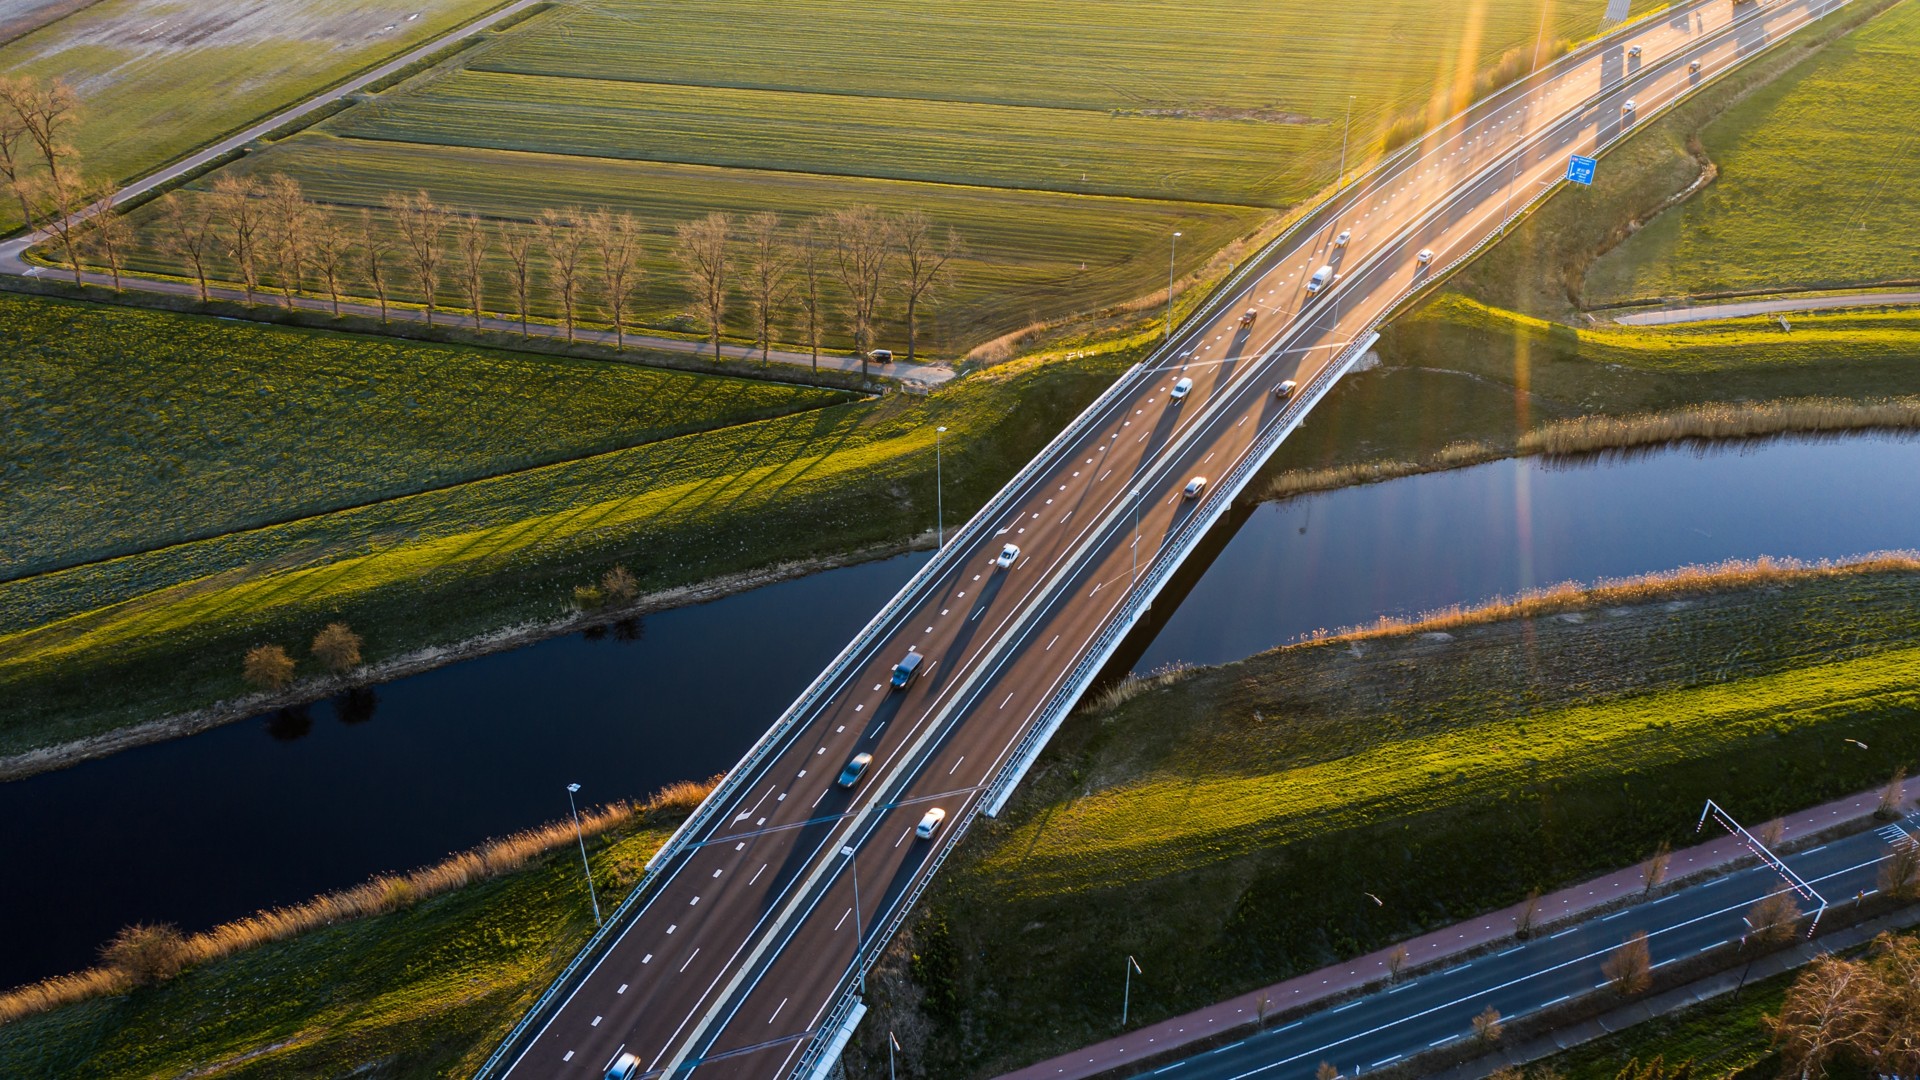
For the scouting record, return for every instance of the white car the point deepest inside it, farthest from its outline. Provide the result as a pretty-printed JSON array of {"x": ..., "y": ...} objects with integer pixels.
[
  {"x": 1194, "y": 487},
  {"x": 1181, "y": 389},
  {"x": 1694, "y": 67},
  {"x": 1425, "y": 257},
  {"x": 1627, "y": 109},
  {"x": 624, "y": 1067},
  {"x": 929, "y": 823},
  {"x": 1341, "y": 240},
  {"x": 1007, "y": 556}
]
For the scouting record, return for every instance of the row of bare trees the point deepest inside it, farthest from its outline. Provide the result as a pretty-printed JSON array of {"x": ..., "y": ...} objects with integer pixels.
[
  {"x": 41, "y": 169},
  {"x": 1863, "y": 1012},
  {"x": 851, "y": 264}
]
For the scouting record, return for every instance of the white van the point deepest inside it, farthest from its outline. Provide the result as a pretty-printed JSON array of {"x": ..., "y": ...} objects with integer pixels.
[
  {"x": 1319, "y": 280},
  {"x": 1181, "y": 389}
]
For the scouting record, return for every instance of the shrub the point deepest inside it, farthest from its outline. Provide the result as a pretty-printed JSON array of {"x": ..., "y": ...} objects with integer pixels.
[
  {"x": 267, "y": 667},
  {"x": 337, "y": 647},
  {"x": 588, "y": 597},
  {"x": 147, "y": 953},
  {"x": 619, "y": 585}
]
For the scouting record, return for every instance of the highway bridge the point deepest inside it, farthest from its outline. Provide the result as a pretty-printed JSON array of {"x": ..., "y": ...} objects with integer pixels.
[{"x": 742, "y": 953}]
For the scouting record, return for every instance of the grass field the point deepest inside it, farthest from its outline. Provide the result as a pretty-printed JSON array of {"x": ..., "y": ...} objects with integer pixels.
[
  {"x": 133, "y": 430},
  {"x": 1066, "y": 175},
  {"x": 1225, "y": 829},
  {"x": 161, "y": 78},
  {"x": 97, "y": 646},
  {"x": 425, "y": 991},
  {"x": 1819, "y": 183}
]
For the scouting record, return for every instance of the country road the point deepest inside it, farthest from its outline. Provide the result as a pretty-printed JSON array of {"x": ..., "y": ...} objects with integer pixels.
[
  {"x": 742, "y": 954},
  {"x": 1738, "y": 309}
]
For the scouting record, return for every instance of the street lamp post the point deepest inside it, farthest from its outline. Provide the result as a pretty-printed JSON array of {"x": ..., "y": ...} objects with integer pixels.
[
  {"x": 1135, "y": 578},
  {"x": 584, "y": 864},
  {"x": 859, "y": 935},
  {"x": 1126, "y": 996},
  {"x": 1172, "y": 243},
  {"x": 939, "y": 494},
  {"x": 892, "y": 1045}
]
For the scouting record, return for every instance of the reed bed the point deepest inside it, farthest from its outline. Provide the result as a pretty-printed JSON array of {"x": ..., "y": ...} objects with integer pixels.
[
  {"x": 1132, "y": 686},
  {"x": 1728, "y": 576},
  {"x": 143, "y": 953},
  {"x": 1308, "y": 481},
  {"x": 1593, "y": 434}
]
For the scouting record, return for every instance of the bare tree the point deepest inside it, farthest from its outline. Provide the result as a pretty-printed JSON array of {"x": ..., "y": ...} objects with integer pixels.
[
  {"x": 288, "y": 216},
  {"x": 14, "y": 143},
  {"x": 1774, "y": 918},
  {"x": 566, "y": 244},
  {"x": 375, "y": 247},
  {"x": 1630, "y": 967},
  {"x": 1529, "y": 914},
  {"x": 1893, "y": 795},
  {"x": 267, "y": 667},
  {"x": 1326, "y": 1071},
  {"x": 1827, "y": 1012},
  {"x": 616, "y": 239},
  {"x": 923, "y": 262},
  {"x": 1900, "y": 875},
  {"x": 47, "y": 111},
  {"x": 109, "y": 237},
  {"x": 1396, "y": 963},
  {"x": 421, "y": 224},
  {"x": 1771, "y": 833},
  {"x": 470, "y": 236},
  {"x": 1654, "y": 870},
  {"x": 701, "y": 248},
  {"x": 331, "y": 248},
  {"x": 1487, "y": 1026},
  {"x": 1894, "y": 1039},
  {"x": 61, "y": 202},
  {"x": 236, "y": 198},
  {"x": 810, "y": 259},
  {"x": 861, "y": 242},
  {"x": 770, "y": 263},
  {"x": 191, "y": 231},
  {"x": 338, "y": 647},
  {"x": 518, "y": 243}
]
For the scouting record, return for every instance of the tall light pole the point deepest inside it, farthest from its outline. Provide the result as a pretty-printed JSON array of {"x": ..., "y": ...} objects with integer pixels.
[
  {"x": 1135, "y": 579},
  {"x": 1172, "y": 243},
  {"x": 1126, "y": 996},
  {"x": 892, "y": 1045},
  {"x": 584, "y": 864},
  {"x": 939, "y": 494},
  {"x": 859, "y": 935}
]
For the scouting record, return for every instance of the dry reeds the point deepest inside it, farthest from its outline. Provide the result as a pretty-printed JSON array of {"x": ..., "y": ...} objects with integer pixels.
[
  {"x": 1725, "y": 576},
  {"x": 144, "y": 954},
  {"x": 1132, "y": 686},
  {"x": 1306, "y": 482},
  {"x": 1592, "y": 434}
]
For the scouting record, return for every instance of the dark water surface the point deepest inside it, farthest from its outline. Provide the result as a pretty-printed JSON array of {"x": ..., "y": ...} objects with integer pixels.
[{"x": 275, "y": 809}]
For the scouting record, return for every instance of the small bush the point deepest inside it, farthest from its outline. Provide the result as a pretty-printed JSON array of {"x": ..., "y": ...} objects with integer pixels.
[
  {"x": 267, "y": 667},
  {"x": 588, "y": 597},
  {"x": 619, "y": 585},
  {"x": 337, "y": 647},
  {"x": 147, "y": 953}
]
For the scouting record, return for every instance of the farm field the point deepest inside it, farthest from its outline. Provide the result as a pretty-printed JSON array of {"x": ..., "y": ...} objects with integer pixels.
[
  {"x": 1065, "y": 178},
  {"x": 161, "y": 78},
  {"x": 134, "y": 430},
  {"x": 1819, "y": 183},
  {"x": 1225, "y": 826}
]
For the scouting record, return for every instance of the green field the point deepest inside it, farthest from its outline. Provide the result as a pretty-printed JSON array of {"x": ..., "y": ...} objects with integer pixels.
[
  {"x": 1065, "y": 167},
  {"x": 1819, "y": 183},
  {"x": 161, "y": 78},
  {"x": 425, "y": 991},
  {"x": 1226, "y": 829},
  {"x": 131, "y": 430},
  {"x": 98, "y": 646}
]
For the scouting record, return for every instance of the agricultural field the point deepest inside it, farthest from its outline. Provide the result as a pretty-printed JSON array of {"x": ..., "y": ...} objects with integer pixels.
[
  {"x": 134, "y": 430},
  {"x": 1819, "y": 183},
  {"x": 1224, "y": 826},
  {"x": 1065, "y": 177},
  {"x": 161, "y": 77}
]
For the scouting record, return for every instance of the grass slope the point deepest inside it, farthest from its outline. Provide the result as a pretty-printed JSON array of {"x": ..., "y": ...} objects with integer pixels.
[
  {"x": 425, "y": 991},
  {"x": 1226, "y": 829},
  {"x": 1819, "y": 183},
  {"x": 161, "y": 79},
  {"x": 132, "y": 430}
]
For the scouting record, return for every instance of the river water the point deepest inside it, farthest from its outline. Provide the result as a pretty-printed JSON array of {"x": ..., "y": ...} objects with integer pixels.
[{"x": 275, "y": 809}]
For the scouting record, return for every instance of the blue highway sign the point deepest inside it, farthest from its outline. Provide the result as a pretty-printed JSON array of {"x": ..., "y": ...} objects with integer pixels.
[{"x": 1580, "y": 169}]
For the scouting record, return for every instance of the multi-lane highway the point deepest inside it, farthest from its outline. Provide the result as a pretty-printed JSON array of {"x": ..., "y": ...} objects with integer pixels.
[
  {"x": 1437, "y": 1010},
  {"x": 741, "y": 955}
]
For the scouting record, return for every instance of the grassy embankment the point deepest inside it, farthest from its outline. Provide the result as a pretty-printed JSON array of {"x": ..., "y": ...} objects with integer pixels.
[
  {"x": 161, "y": 80},
  {"x": 1225, "y": 827},
  {"x": 132, "y": 431},
  {"x": 409, "y": 975},
  {"x": 98, "y": 646},
  {"x": 1505, "y": 347},
  {"x": 1064, "y": 177}
]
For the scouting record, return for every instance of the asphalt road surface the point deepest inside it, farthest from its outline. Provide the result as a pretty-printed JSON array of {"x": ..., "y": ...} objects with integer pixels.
[
  {"x": 748, "y": 939},
  {"x": 1434, "y": 1010}
]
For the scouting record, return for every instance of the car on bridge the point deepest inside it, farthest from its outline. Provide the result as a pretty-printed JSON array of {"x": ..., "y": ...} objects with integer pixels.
[
  {"x": 1319, "y": 280},
  {"x": 929, "y": 823},
  {"x": 904, "y": 671},
  {"x": 1181, "y": 389},
  {"x": 856, "y": 768},
  {"x": 1007, "y": 556},
  {"x": 1247, "y": 319},
  {"x": 624, "y": 1067},
  {"x": 1425, "y": 258},
  {"x": 1194, "y": 487},
  {"x": 1341, "y": 240},
  {"x": 1285, "y": 389}
]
